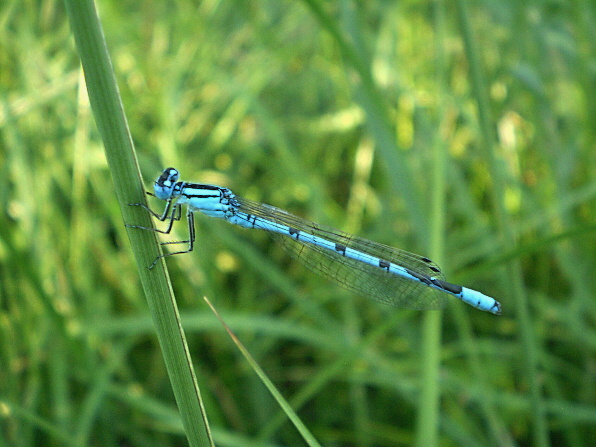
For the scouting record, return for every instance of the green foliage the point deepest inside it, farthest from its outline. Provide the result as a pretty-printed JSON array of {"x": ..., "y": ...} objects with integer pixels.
[{"x": 460, "y": 130}]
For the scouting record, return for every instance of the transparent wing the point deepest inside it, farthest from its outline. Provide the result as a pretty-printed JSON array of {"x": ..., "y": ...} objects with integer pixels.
[{"x": 365, "y": 280}]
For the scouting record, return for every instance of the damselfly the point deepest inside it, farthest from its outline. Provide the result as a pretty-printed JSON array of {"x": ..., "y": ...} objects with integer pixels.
[{"x": 373, "y": 270}]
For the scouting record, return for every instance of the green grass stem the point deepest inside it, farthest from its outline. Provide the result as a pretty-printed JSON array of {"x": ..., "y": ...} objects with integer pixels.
[{"x": 108, "y": 112}]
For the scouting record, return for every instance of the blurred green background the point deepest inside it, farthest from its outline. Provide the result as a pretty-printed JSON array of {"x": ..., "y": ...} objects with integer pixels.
[{"x": 471, "y": 142}]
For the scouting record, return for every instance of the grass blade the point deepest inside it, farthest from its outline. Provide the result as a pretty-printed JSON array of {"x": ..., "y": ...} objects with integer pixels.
[{"x": 111, "y": 122}]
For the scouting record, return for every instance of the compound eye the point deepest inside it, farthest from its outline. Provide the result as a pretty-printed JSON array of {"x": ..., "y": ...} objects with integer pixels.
[{"x": 171, "y": 174}]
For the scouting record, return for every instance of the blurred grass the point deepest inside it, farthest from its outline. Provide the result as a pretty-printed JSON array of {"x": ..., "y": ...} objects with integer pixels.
[{"x": 263, "y": 97}]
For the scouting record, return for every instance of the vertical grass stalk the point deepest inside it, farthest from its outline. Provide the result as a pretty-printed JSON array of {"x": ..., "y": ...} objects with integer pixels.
[{"x": 112, "y": 125}]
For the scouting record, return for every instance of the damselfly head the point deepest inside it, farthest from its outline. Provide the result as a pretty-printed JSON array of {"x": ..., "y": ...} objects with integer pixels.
[{"x": 164, "y": 185}]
